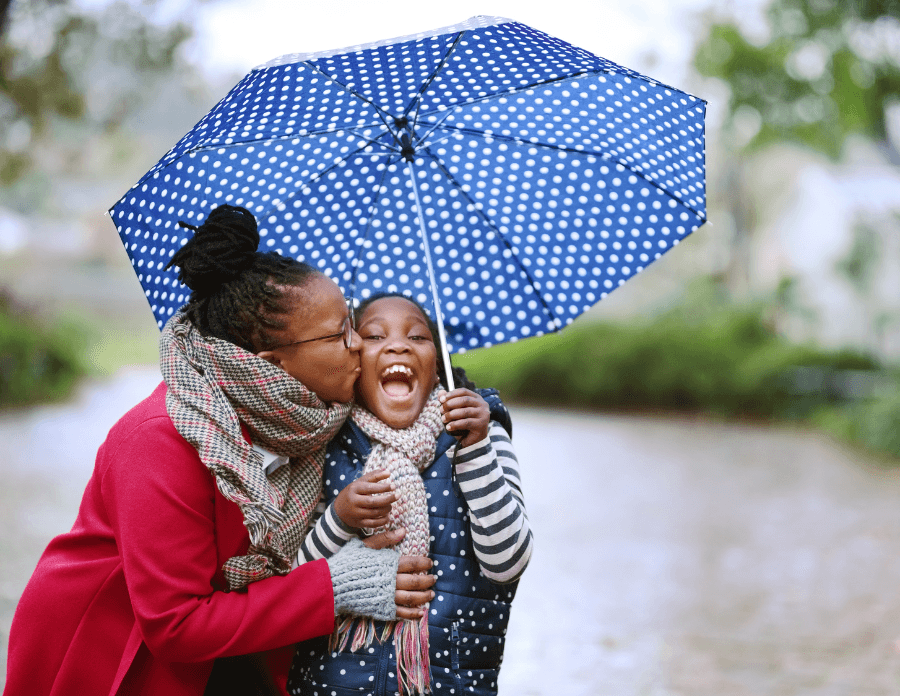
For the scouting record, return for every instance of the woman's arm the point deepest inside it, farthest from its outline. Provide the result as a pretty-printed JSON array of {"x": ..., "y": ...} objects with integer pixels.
[
  {"x": 488, "y": 476},
  {"x": 161, "y": 503}
]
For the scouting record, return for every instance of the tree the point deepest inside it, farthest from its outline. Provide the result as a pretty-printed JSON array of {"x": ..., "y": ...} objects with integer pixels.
[
  {"x": 54, "y": 59},
  {"x": 828, "y": 70}
]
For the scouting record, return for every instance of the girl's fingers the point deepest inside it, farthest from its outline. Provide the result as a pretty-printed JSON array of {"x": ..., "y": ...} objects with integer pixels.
[
  {"x": 375, "y": 522},
  {"x": 408, "y": 572},
  {"x": 465, "y": 424},
  {"x": 407, "y": 613},
  {"x": 464, "y": 413},
  {"x": 375, "y": 476},
  {"x": 369, "y": 489},
  {"x": 405, "y": 598},
  {"x": 459, "y": 402},
  {"x": 374, "y": 502}
]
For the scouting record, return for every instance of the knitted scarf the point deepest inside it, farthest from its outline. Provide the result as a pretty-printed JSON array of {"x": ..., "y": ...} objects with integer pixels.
[
  {"x": 405, "y": 454},
  {"x": 213, "y": 387}
]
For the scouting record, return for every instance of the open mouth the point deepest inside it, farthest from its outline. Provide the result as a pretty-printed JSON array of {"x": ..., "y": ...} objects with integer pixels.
[{"x": 397, "y": 381}]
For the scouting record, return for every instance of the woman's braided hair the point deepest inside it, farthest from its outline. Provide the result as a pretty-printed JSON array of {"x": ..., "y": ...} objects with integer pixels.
[
  {"x": 459, "y": 374},
  {"x": 238, "y": 294}
]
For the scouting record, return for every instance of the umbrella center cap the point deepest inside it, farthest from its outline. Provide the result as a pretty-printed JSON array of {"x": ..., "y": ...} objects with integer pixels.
[{"x": 406, "y": 148}]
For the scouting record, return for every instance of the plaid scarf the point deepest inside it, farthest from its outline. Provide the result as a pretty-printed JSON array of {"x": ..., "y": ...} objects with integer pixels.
[
  {"x": 213, "y": 387},
  {"x": 405, "y": 454}
]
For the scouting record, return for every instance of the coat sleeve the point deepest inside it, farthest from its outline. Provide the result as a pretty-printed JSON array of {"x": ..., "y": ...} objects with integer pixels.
[{"x": 161, "y": 504}]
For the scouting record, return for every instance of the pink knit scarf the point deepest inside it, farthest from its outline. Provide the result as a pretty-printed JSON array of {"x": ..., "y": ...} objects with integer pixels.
[{"x": 404, "y": 454}]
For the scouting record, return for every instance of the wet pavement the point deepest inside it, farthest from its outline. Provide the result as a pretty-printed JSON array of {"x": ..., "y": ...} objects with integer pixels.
[{"x": 673, "y": 556}]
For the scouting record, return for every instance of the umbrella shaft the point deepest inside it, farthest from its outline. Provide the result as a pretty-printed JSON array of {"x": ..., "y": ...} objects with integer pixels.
[{"x": 438, "y": 317}]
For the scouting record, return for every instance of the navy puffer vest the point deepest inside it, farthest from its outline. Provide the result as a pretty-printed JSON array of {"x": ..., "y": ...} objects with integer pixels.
[{"x": 468, "y": 617}]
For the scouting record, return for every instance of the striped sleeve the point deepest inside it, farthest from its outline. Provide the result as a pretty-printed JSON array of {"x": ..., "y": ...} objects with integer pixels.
[
  {"x": 488, "y": 476},
  {"x": 326, "y": 537}
]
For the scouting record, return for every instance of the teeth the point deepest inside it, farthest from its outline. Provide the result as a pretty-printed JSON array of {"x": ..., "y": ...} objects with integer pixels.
[{"x": 397, "y": 368}]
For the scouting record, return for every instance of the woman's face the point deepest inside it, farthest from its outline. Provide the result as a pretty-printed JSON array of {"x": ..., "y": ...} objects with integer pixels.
[
  {"x": 398, "y": 360},
  {"x": 326, "y": 367}
]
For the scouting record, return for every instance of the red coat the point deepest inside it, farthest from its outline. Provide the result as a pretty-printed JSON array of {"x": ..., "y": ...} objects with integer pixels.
[{"x": 130, "y": 600}]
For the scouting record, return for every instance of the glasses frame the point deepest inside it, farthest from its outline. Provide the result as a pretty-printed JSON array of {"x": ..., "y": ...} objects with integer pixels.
[{"x": 346, "y": 331}]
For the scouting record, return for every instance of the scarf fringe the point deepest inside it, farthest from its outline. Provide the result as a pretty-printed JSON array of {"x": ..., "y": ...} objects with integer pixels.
[
  {"x": 413, "y": 663},
  {"x": 410, "y": 646}
]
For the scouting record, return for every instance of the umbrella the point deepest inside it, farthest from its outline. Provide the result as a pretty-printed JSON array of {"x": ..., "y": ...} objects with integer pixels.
[{"x": 505, "y": 179}]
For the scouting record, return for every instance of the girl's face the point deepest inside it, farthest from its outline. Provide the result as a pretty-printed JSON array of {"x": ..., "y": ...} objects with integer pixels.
[
  {"x": 398, "y": 361},
  {"x": 326, "y": 367}
]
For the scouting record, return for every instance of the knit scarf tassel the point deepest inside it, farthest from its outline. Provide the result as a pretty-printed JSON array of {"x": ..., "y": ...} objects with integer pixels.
[{"x": 405, "y": 454}]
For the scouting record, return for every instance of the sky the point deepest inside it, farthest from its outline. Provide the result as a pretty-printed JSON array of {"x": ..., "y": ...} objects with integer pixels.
[{"x": 234, "y": 35}]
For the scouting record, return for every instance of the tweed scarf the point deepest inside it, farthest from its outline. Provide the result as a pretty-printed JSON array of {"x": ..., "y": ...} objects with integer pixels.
[
  {"x": 213, "y": 387},
  {"x": 404, "y": 454}
]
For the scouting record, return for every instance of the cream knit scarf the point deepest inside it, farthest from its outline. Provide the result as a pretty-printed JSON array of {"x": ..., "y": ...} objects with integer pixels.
[
  {"x": 405, "y": 454},
  {"x": 213, "y": 387}
]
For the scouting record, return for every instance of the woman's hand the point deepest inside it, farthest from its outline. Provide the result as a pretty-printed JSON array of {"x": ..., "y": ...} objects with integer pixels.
[
  {"x": 465, "y": 411},
  {"x": 366, "y": 502},
  {"x": 413, "y": 581}
]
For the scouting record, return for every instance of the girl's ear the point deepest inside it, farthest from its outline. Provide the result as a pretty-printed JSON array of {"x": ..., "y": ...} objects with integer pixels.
[{"x": 270, "y": 357}]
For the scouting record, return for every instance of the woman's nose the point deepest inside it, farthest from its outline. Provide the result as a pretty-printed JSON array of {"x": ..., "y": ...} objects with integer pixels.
[{"x": 356, "y": 341}]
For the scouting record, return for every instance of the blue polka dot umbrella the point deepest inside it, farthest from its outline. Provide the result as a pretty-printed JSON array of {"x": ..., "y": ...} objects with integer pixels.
[{"x": 505, "y": 179}]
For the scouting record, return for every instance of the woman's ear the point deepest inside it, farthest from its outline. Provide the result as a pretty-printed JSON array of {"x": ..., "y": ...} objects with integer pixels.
[{"x": 270, "y": 357}]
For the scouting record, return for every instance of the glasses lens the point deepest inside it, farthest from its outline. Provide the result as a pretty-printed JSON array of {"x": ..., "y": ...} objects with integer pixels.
[{"x": 348, "y": 332}]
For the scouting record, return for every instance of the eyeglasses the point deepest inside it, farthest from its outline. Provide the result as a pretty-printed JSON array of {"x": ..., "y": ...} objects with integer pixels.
[{"x": 346, "y": 331}]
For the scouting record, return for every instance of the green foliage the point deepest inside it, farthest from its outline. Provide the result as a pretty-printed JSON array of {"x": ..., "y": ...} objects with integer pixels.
[
  {"x": 825, "y": 72},
  {"x": 36, "y": 364},
  {"x": 872, "y": 423},
  {"x": 703, "y": 355},
  {"x": 55, "y": 57}
]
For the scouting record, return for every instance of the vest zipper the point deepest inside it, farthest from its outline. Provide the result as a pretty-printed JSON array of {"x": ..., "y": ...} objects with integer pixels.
[{"x": 454, "y": 655}]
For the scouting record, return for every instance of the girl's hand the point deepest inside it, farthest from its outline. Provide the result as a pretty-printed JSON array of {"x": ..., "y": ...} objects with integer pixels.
[
  {"x": 464, "y": 410},
  {"x": 366, "y": 502},
  {"x": 414, "y": 582}
]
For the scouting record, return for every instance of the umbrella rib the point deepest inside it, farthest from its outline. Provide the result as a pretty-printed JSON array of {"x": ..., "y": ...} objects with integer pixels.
[
  {"x": 557, "y": 148},
  {"x": 431, "y": 77},
  {"x": 378, "y": 109},
  {"x": 583, "y": 73},
  {"x": 439, "y": 123},
  {"x": 357, "y": 264},
  {"x": 499, "y": 234},
  {"x": 343, "y": 161}
]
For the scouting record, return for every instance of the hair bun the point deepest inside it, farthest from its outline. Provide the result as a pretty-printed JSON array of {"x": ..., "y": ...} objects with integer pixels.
[{"x": 222, "y": 248}]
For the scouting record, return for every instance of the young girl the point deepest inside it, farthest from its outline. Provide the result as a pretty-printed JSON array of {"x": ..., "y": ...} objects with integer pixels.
[{"x": 460, "y": 502}]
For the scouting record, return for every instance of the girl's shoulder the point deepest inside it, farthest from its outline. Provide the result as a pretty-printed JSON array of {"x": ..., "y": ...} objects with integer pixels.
[{"x": 499, "y": 412}]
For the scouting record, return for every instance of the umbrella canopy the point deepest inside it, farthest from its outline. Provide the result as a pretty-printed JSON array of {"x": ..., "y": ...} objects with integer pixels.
[{"x": 516, "y": 178}]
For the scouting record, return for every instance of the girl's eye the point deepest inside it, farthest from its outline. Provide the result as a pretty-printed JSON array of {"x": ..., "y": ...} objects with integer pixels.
[
  {"x": 372, "y": 337},
  {"x": 420, "y": 338}
]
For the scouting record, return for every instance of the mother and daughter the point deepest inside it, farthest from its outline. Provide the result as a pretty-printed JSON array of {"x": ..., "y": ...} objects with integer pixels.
[{"x": 248, "y": 529}]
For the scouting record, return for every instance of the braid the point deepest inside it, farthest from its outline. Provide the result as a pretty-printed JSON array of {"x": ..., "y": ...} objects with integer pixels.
[
  {"x": 238, "y": 294},
  {"x": 459, "y": 374}
]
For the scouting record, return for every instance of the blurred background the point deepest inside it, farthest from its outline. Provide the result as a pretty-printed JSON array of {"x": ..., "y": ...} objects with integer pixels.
[{"x": 733, "y": 411}]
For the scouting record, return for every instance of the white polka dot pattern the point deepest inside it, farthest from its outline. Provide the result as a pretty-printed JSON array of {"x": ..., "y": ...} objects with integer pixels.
[{"x": 547, "y": 176}]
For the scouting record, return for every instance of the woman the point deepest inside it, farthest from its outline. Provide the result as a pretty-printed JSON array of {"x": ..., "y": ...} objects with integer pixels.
[{"x": 181, "y": 555}]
